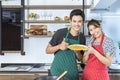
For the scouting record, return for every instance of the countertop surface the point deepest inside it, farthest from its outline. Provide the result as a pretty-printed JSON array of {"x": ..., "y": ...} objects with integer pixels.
[{"x": 37, "y": 68}]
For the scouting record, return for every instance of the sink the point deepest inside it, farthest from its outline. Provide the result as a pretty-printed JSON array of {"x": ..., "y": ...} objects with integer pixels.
[
  {"x": 114, "y": 66},
  {"x": 9, "y": 68},
  {"x": 16, "y": 68},
  {"x": 24, "y": 68},
  {"x": 45, "y": 67}
]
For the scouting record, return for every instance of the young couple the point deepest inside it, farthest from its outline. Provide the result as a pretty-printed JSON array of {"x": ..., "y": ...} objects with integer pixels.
[{"x": 98, "y": 56}]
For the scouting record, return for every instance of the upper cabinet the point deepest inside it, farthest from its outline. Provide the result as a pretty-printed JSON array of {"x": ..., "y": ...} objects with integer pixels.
[
  {"x": 11, "y": 6},
  {"x": 11, "y": 27}
]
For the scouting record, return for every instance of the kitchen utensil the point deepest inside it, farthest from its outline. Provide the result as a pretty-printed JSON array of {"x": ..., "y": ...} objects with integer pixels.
[
  {"x": 61, "y": 75},
  {"x": 50, "y": 78}
]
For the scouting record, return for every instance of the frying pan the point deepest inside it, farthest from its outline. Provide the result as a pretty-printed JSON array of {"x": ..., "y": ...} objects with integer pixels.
[{"x": 50, "y": 78}]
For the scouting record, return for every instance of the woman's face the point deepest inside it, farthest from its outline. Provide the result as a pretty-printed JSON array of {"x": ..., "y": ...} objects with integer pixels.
[
  {"x": 95, "y": 31},
  {"x": 76, "y": 23}
]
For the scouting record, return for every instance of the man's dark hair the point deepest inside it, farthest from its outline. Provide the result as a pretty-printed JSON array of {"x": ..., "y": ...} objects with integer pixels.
[{"x": 77, "y": 12}]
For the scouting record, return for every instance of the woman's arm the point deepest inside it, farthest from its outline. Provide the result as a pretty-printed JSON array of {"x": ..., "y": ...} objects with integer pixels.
[
  {"x": 79, "y": 55},
  {"x": 107, "y": 59},
  {"x": 85, "y": 56},
  {"x": 109, "y": 50}
]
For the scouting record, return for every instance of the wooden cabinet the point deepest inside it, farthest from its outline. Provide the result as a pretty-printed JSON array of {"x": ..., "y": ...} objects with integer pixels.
[
  {"x": 80, "y": 76},
  {"x": 26, "y": 77},
  {"x": 4, "y": 77},
  {"x": 32, "y": 76},
  {"x": 114, "y": 76},
  {"x": 11, "y": 28},
  {"x": 20, "y": 75}
]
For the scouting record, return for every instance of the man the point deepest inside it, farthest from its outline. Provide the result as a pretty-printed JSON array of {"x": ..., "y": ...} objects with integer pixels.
[{"x": 65, "y": 59}]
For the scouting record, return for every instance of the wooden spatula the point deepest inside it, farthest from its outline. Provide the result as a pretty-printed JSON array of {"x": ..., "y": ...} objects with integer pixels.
[{"x": 61, "y": 75}]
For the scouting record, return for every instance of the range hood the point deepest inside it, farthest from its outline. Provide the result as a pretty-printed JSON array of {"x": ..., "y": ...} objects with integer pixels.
[{"x": 102, "y": 5}]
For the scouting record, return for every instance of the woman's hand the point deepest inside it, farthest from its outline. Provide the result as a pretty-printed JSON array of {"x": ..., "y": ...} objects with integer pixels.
[
  {"x": 63, "y": 45},
  {"x": 90, "y": 50}
]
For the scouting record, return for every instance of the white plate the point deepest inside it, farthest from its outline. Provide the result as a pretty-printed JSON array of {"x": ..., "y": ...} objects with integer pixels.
[{"x": 77, "y": 47}]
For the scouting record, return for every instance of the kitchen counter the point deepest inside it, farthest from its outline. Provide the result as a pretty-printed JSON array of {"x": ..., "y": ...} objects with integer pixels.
[
  {"x": 36, "y": 68},
  {"x": 32, "y": 71},
  {"x": 12, "y": 67}
]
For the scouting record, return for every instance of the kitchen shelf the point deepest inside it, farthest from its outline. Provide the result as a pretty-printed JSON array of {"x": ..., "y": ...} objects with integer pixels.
[
  {"x": 45, "y": 21},
  {"x": 56, "y": 6},
  {"x": 11, "y": 51},
  {"x": 47, "y": 6},
  {"x": 11, "y": 6},
  {"x": 37, "y": 36},
  {"x": 45, "y": 36},
  {"x": 50, "y": 21}
]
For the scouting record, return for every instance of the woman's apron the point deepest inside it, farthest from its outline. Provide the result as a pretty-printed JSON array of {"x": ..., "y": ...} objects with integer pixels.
[
  {"x": 65, "y": 60},
  {"x": 94, "y": 69}
]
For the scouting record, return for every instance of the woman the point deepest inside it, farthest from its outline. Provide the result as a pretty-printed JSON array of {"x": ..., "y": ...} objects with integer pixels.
[
  {"x": 99, "y": 54},
  {"x": 64, "y": 58}
]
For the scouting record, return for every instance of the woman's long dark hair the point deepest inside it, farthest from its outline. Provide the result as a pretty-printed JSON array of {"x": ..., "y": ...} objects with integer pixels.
[{"x": 94, "y": 22}]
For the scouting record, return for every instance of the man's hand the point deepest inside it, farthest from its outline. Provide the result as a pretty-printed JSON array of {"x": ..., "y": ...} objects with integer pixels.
[{"x": 63, "y": 45}]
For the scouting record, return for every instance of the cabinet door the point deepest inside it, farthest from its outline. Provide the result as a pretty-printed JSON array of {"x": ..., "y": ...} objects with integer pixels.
[
  {"x": 24, "y": 77},
  {"x": 114, "y": 76},
  {"x": 80, "y": 76},
  {"x": 11, "y": 30},
  {"x": 28, "y": 76},
  {"x": 21, "y": 76},
  {"x": 4, "y": 77}
]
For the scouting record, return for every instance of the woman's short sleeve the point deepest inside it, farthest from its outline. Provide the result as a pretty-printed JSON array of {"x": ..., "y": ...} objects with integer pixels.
[{"x": 108, "y": 46}]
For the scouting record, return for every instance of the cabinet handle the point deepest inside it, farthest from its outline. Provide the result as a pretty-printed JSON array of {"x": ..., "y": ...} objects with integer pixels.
[{"x": 21, "y": 21}]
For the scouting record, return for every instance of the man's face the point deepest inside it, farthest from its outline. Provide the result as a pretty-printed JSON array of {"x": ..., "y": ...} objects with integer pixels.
[{"x": 76, "y": 22}]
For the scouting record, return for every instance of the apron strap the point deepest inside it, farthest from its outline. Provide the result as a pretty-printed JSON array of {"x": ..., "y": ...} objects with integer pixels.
[
  {"x": 66, "y": 37},
  {"x": 101, "y": 41}
]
